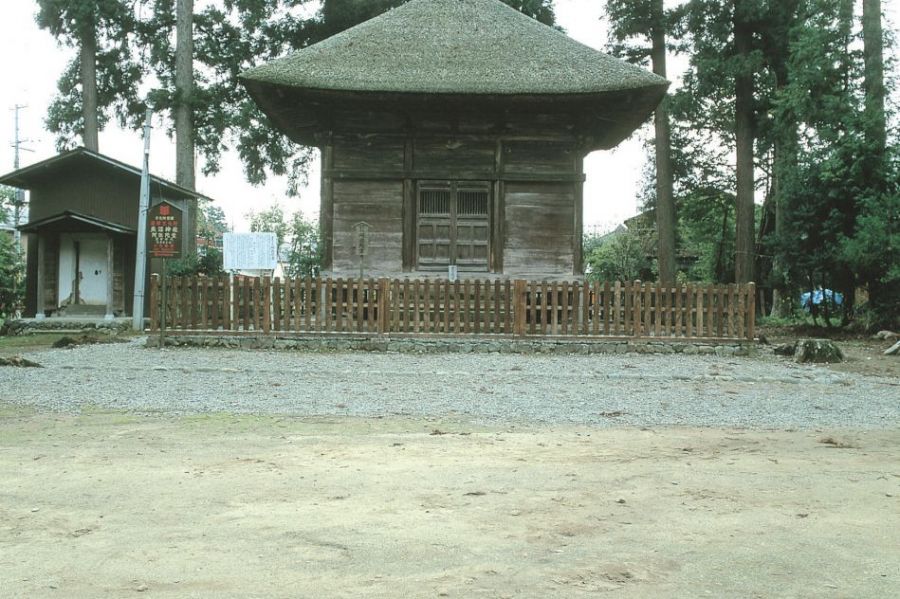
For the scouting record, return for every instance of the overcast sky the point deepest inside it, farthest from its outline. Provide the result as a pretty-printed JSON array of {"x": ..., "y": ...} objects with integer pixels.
[{"x": 32, "y": 62}]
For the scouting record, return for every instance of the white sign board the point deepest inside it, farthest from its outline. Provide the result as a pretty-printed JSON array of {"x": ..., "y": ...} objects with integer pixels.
[{"x": 250, "y": 251}]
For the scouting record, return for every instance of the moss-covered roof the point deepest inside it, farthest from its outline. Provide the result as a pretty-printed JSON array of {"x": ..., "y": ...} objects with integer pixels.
[{"x": 481, "y": 47}]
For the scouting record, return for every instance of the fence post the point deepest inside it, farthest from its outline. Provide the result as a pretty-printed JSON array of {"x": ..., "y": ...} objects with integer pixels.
[
  {"x": 519, "y": 307},
  {"x": 751, "y": 311},
  {"x": 383, "y": 318},
  {"x": 226, "y": 303},
  {"x": 154, "y": 303}
]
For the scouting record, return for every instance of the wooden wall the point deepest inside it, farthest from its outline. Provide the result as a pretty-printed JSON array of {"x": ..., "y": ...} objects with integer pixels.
[
  {"x": 539, "y": 229},
  {"x": 536, "y": 184},
  {"x": 378, "y": 203},
  {"x": 103, "y": 192}
]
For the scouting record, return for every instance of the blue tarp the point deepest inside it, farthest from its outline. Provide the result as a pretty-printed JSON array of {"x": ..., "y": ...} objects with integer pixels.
[{"x": 815, "y": 298}]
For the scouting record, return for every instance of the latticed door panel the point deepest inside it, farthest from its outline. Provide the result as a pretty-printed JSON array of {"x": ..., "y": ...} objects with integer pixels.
[
  {"x": 434, "y": 227},
  {"x": 472, "y": 226},
  {"x": 454, "y": 225}
]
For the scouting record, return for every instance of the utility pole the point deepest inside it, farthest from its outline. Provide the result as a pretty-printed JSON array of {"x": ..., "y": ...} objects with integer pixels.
[
  {"x": 19, "y": 202},
  {"x": 140, "y": 270}
]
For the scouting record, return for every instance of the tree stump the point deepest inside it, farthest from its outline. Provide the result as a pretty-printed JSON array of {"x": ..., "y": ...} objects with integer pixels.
[{"x": 819, "y": 351}]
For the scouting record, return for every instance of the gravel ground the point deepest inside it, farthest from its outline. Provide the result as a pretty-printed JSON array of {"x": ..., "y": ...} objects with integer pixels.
[{"x": 601, "y": 390}]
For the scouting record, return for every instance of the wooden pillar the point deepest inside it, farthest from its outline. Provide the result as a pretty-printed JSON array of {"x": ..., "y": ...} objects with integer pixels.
[
  {"x": 41, "y": 288},
  {"x": 409, "y": 205},
  {"x": 326, "y": 212},
  {"x": 110, "y": 277},
  {"x": 498, "y": 212},
  {"x": 578, "y": 236}
]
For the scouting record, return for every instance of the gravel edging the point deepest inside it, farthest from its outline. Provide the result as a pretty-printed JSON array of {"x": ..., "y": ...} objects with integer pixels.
[{"x": 607, "y": 390}]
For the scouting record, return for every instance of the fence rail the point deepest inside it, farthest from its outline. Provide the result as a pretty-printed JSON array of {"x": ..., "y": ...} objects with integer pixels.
[{"x": 441, "y": 307}]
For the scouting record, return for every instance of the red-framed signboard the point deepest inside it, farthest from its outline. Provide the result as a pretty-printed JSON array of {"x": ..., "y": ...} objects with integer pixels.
[{"x": 164, "y": 222}]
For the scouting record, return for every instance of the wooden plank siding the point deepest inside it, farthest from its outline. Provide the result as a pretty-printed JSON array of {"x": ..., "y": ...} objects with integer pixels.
[
  {"x": 534, "y": 185},
  {"x": 378, "y": 203},
  {"x": 539, "y": 226},
  {"x": 472, "y": 307}
]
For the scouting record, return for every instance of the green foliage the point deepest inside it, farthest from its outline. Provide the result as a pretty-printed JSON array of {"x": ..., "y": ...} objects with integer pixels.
[
  {"x": 7, "y": 197},
  {"x": 305, "y": 257},
  {"x": 708, "y": 229},
  {"x": 211, "y": 262},
  {"x": 211, "y": 223},
  {"x": 186, "y": 266},
  {"x": 837, "y": 196},
  {"x": 12, "y": 268},
  {"x": 621, "y": 256},
  {"x": 631, "y": 23},
  {"x": 208, "y": 264},
  {"x": 270, "y": 220},
  {"x": 836, "y": 234},
  {"x": 136, "y": 47},
  {"x": 12, "y": 271},
  {"x": 873, "y": 252},
  {"x": 112, "y": 24}
]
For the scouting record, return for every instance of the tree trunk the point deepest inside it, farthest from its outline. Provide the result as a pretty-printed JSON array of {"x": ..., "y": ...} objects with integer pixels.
[
  {"x": 184, "y": 90},
  {"x": 665, "y": 201},
  {"x": 720, "y": 252},
  {"x": 873, "y": 44},
  {"x": 91, "y": 133},
  {"x": 184, "y": 119},
  {"x": 786, "y": 145},
  {"x": 744, "y": 138}
]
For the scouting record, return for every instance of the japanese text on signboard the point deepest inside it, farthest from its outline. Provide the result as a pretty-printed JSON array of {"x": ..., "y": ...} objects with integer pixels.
[{"x": 164, "y": 222}]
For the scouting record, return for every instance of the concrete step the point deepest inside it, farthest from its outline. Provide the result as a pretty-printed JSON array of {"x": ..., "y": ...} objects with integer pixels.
[{"x": 82, "y": 310}]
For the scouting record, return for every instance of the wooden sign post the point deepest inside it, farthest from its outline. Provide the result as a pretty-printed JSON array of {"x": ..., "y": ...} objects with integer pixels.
[
  {"x": 361, "y": 231},
  {"x": 164, "y": 231}
]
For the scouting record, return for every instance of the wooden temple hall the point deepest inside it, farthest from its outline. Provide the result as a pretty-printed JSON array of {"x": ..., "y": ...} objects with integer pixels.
[{"x": 456, "y": 130}]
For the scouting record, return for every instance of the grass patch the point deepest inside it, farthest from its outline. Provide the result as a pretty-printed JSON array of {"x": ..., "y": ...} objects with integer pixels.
[{"x": 19, "y": 343}]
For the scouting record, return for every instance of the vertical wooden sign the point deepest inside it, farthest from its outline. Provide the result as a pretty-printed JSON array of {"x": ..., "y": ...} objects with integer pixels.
[
  {"x": 164, "y": 231},
  {"x": 164, "y": 223}
]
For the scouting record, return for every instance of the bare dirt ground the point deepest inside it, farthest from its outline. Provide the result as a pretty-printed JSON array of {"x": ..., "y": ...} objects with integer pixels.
[{"x": 111, "y": 504}]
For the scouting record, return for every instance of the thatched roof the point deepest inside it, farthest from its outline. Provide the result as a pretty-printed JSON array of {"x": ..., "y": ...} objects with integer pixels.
[
  {"x": 465, "y": 54},
  {"x": 454, "y": 47}
]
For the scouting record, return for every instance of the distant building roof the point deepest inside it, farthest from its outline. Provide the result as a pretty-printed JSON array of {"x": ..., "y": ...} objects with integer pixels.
[{"x": 28, "y": 177}]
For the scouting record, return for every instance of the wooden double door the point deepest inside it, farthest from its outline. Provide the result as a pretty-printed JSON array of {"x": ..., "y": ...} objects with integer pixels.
[{"x": 453, "y": 225}]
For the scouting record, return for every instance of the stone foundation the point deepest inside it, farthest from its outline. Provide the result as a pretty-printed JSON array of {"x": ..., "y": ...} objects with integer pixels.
[
  {"x": 412, "y": 345},
  {"x": 86, "y": 326}
]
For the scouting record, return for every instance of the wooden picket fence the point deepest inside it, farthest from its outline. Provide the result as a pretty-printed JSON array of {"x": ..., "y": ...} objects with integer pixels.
[{"x": 468, "y": 307}]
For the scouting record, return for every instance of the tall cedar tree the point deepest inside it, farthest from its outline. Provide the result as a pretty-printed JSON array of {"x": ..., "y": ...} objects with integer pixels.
[
  {"x": 647, "y": 21},
  {"x": 744, "y": 136},
  {"x": 184, "y": 91},
  {"x": 875, "y": 249},
  {"x": 822, "y": 193},
  {"x": 102, "y": 80},
  {"x": 229, "y": 37},
  {"x": 782, "y": 19}
]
